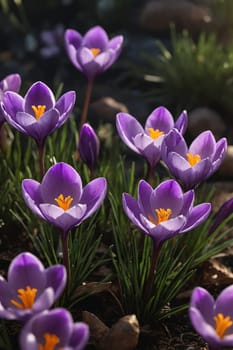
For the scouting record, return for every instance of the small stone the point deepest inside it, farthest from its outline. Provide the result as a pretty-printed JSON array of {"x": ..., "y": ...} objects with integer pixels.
[
  {"x": 157, "y": 16},
  {"x": 123, "y": 335},
  {"x": 106, "y": 108},
  {"x": 226, "y": 168},
  {"x": 202, "y": 119}
]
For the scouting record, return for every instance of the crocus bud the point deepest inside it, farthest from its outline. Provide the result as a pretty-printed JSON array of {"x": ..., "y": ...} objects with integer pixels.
[{"x": 88, "y": 146}]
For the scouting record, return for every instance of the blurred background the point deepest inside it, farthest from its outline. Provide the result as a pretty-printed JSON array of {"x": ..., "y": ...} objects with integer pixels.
[{"x": 176, "y": 53}]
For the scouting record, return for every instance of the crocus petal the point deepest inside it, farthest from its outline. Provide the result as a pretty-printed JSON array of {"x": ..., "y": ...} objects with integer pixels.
[
  {"x": 65, "y": 220},
  {"x": 167, "y": 229},
  {"x": 160, "y": 119},
  {"x": 31, "y": 195},
  {"x": 188, "y": 202},
  {"x": 181, "y": 123},
  {"x": 204, "y": 144},
  {"x": 6, "y": 293},
  {"x": 198, "y": 215},
  {"x": 93, "y": 195},
  {"x": 61, "y": 178},
  {"x": 28, "y": 341},
  {"x": 224, "y": 300},
  {"x": 38, "y": 129},
  {"x": 151, "y": 152},
  {"x": 45, "y": 300},
  {"x": 39, "y": 94},
  {"x": 132, "y": 210},
  {"x": 72, "y": 43},
  {"x": 11, "y": 83},
  {"x": 203, "y": 301},
  {"x": 128, "y": 127},
  {"x": 65, "y": 105},
  {"x": 13, "y": 103},
  {"x": 22, "y": 272},
  {"x": 97, "y": 38},
  {"x": 168, "y": 195},
  {"x": 116, "y": 43},
  {"x": 203, "y": 328},
  {"x": 144, "y": 194},
  {"x": 79, "y": 336},
  {"x": 56, "y": 278}
]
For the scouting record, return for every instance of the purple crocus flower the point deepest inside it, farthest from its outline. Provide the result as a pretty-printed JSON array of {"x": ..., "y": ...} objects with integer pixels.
[
  {"x": 52, "y": 330},
  {"x": 213, "y": 320},
  {"x": 196, "y": 163},
  {"x": 37, "y": 114},
  {"x": 92, "y": 53},
  {"x": 61, "y": 199},
  {"x": 165, "y": 211},
  {"x": 88, "y": 146},
  {"x": 52, "y": 40},
  {"x": 223, "y": 213},
  {"x": 147, "y": 141},
  {"x": 30, "y": 288},
  {"x": 11, "y": 82}
]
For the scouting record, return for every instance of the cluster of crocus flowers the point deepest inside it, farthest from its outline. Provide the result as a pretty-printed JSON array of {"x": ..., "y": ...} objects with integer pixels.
[
  {"x": 194, "y": 164},
  {"x": 30, "y": 288},
  {"x": 11, "y": 82},
  {"x": 88, "y": 146},
  {"x": 147, "y": 141},
  {"x": 55, "y": 329},
  {"x": 213, "y": 319}
]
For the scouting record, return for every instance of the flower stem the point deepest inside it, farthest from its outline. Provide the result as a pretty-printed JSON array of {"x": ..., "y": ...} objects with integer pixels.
[
  {"x": 86, "y": 101},
  {"x": 41, "y": 159},
  {"x": 149, "y": 282},
  {"x": 150, "y": 174},
  {"x": 65, "y": 254}
]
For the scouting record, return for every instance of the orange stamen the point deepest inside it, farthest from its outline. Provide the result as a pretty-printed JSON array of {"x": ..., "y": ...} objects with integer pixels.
[
  {"x": 27, "y": 297},
  {"x": 222, "y": 324},
  {"x": 162, "y": 215},
  {"x": 155, "y": 133},
  {"x": 51, "y": 340},
  {"x": 193, "y": 159},
  {"x": 38, "y": 110},
  {"x": 64, "y": 202},
  {"x": 95, "y": 51}
]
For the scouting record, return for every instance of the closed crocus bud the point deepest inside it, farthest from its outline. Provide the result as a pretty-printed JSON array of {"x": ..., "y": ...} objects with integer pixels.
[
  {"x": 11, "y": 82},
  {"x": 88, "y": 146}
]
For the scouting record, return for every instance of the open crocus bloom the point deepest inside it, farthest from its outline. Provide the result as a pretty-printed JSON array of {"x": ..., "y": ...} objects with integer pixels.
[
  {"x": 92, "y": 53},
  {"x": 60, "y": 198},
  {"x": 52, "y": 330},
  {"x": 11, "y": 82},
  {"x": 37, "y": 114},
  {"x": 29, "y": 288},
  {"x": 213, "y": 320},
  {"x": 147, "y": 141},
  {"x": 194, "y": 164},
  {"x": 165, "y": 211}
]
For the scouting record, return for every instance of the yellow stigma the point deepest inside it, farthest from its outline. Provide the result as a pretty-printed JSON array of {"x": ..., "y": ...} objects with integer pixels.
[
  {"x": 27, "y": 297},
  {"x": 64, "y": 202},
  {"x": 222, "y": 324},
  {"x": 38, "y": 110},
  {"x": 51, "y": 340},
  {"x": 162, "y": 215},
  {"x": 95, "y": 51},
  {"x": 193, "y": 159},
  {"x": 155, "y": 133}
]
